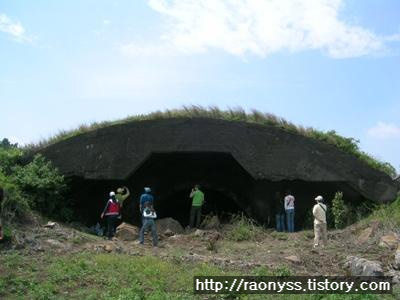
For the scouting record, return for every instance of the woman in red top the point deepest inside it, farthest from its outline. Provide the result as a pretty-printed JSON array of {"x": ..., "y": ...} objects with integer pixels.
[{"x": 111, "y": 212}]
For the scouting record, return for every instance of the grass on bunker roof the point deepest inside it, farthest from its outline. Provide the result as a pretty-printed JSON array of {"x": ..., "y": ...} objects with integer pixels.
[{"x": 349, "y": 145}]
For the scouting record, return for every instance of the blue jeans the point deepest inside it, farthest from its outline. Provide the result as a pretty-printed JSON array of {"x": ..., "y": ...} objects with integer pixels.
[
  {"x": 280, "y": 222},
  {"x": 146, "y": 225},
  {"x": 290, "y": 219}
]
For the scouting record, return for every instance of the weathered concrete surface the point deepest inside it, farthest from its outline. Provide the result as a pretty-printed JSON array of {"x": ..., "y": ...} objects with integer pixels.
[{"x": 266, "y": 153}]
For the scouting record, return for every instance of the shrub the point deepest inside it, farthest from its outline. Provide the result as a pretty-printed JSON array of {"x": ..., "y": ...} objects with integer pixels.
[
  {"x": 340, "y": 211},
  {"x": 29, "y": 184},
  {"x": 244, "y": 229},
  {"x": 9, "y": 157},
  {"x": 14, "y": 206},
  {"x": 43, "y": 185},
  {"x": 388, "y": 214}
]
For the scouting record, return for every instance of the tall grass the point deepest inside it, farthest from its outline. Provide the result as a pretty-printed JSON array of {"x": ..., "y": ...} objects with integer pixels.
[
  {"x": 349, "y": 145},
  {"x": 388, "y": 215},
  {"x": 244, "y": 229}
]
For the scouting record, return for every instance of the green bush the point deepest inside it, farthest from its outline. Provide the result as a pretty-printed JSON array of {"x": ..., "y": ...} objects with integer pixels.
[
  {"x": 388, "y": 214},
  {"x": 15, "y": 206},
  {"x": 42, "y": 184},
  {"x": 29, "y": 184},
  {"x": 340, "y": 211},
  {"x": 243, "y": 229}
]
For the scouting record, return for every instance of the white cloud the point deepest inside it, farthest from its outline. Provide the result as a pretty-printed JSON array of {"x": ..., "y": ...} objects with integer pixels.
[
  {"x": 106, "y": 22},
  {"x": 384, "y": 131},
  {"x": 262, "y": 27},
  {"x": 13, "y": 28}
]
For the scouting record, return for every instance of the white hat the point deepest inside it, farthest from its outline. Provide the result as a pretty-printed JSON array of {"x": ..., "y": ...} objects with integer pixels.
[
  {"x": 319, "y": 198},
  {"x": 147, "y": 189},
  {"x": 112, "y": 194}
]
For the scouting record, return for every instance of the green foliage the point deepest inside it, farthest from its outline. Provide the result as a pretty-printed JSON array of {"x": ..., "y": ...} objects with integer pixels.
[
  {"x": 9, "y": 157},
  {"x": 5, "y": 143},
  {"x": 388, "y": 214},
  {"x": 348, "y": 145},
  {"x": 244, "y": 229},
  {"x": 29, "y": 185},
  {"x": 279, "y": 235},
  {"x": 340, "y": 211},
  {"x": 15, "y": 206},
  {"x": 43, "y": 185}
]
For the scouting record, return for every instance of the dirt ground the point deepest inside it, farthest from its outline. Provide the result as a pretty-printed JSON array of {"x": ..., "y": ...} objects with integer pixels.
[{"x": 270, "y": 249}]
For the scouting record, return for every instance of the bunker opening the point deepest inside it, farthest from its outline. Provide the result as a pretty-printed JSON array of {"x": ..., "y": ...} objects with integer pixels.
[
  {"x": 229, "y": 189},
  {"x": 172, "y": 176}
]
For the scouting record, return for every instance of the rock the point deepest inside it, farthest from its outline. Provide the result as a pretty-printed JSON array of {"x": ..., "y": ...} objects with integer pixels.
[
  {"x": 363, "y": 267},
  {"x": 211, "y": 235},
  {"x": 50, "y": 224},
  {"x": 389, "y": 241},
  {"x": 170, "y": 224},
  {"x": 210, "y": 222},
  {"x": 199, "y": 233},
  {"x": 54, "y": 243},
  {"x": 294, "y": 259},
  {"x": 168, "y": 233},
  {"x": 127, "y": 232},
  {"x": 108, "y": 248},
  {"x": 364, "y": 236},
  {"x": 396, "y": 264},
  {"x": 395, "y": 276},
  {"x": 368, "y": 232}
]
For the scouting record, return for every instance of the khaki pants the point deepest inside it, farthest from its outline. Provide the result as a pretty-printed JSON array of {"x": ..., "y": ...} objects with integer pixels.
[{"x": 320, "y": 233}]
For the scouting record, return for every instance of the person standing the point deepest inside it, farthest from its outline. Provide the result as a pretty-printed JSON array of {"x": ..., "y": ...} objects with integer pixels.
[
  {"x": 320, "y": 231},
  {"x": 122, "y": 194},
  {"x": 289, "y": 210},
  {"x": 145, "y": 197},
  {"x": 279, "y": 212},
  {"x": 198, "y": 200},
  {"x": 112, "y": 211},
  {"x": 149, "y": 215}
]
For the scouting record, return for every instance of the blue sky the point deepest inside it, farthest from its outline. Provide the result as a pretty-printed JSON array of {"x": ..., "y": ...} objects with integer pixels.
[{"x": 329, "y": 64}]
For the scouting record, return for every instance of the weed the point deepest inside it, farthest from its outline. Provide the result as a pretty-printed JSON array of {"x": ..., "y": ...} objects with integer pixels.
[
  {"x": 340, "y": 211},
  {"x": 279, "y": 235},
  {"x": 388, "y": 215},
  {"x": 244, "y": 229}
]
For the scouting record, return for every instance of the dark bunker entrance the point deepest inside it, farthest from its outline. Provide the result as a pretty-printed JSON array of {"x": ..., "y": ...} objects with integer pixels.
[
  {"x": 228, "y": 188},
  {"x": 171, "y": 176}
]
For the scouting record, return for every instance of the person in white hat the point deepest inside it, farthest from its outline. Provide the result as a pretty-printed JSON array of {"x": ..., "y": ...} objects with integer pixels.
[
  {"x": 320, "y": 232},
  {"x": 111, "y": 212}
]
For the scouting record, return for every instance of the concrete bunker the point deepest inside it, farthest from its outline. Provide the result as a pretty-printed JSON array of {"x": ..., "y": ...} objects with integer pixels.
[{"x": 239, "y": 165}]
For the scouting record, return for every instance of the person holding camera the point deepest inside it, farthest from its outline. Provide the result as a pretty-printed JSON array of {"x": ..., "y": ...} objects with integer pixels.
[
  {"x": 122, "y": 194},
  {"x": 198, "y": 200}
]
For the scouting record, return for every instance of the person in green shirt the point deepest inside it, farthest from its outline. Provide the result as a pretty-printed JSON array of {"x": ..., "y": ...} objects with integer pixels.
[
  {"x": 122, "y": 194},
  {"x": 198, "y": 200}
]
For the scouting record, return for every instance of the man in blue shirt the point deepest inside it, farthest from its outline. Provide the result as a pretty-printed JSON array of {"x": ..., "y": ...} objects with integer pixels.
[{"x": 145, "y": 197}]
